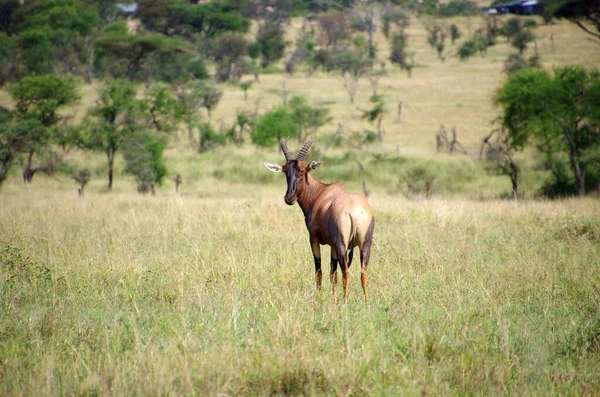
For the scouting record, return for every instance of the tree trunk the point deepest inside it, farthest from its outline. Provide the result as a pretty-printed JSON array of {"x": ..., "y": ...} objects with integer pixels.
[
  {"x": 27, "y": 171},
  {"x": 89, "y": 66},
  {"x": 579, "y": 174},
  {"x": 111, "y": 160},
  {"x": 514, "y": 179},
  {"x": 380, "y": 128}
]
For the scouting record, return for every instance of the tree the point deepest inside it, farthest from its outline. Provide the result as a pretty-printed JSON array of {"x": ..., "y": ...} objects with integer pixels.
[
  {"x": 10, "y": 67},
  {"x": 583, "y": 13},
  {"x": 560, "y": 113},
  {"x": 163, "y": 110},
  {"x": 500, "y": 157},
  {"x": 512, "y": 27},
  {"x": 11, "y": 143},
  {"x": 112, "y": 121},
  {"x": 8, "y": 9},
  {"x": 211, "y": 96},
  {"x": 82, "y": 177},
  {"x": 333, "y": 28},
  {"x": 391, "y": 15},
  {"x": 229, "y": 52},
  {"x": 128, "y": 55},
  {"x": 144, "y": 160},
  {"x": 54, "y": 33},
  {"x": 307, "y": 118},
  {"x": 245, "y": 86},
  {"x": 399, "y": 55},
  {"x": 273, "y": 126},
  {"x": 454, "y": 33},
  {"x": 376, "y": 113},
  {"x": 190, "y": 102},
  {"x": 521, "y": 40},
  {"x": 270, "y": 38},
  {"x": 38, "y": 99},
  {"x": 188, "y": 20}
]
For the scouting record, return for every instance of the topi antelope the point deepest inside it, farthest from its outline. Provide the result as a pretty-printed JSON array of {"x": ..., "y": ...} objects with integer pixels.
[{"x": 334, "y": 217}]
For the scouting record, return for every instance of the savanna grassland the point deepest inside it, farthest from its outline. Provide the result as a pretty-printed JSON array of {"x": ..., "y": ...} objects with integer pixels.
[{"x": 211, "y": 292}]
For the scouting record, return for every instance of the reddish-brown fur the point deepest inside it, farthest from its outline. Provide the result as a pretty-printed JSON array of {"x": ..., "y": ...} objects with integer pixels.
[{"x": 333, "y": 216}]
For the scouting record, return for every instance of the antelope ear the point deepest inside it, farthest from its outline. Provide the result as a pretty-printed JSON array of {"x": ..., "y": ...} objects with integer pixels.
[
  {"x": 274, "y": 167},
  {"x": 313, "y": 165}
]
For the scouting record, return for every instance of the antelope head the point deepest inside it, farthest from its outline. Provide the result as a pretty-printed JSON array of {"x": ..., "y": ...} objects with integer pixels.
[{"x": 295, "y": 170}]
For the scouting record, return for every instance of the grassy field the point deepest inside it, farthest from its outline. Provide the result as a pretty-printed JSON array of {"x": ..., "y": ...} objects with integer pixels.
[
  {"x": 211, "y": 292},
  {"x": 131, "y": 295}
]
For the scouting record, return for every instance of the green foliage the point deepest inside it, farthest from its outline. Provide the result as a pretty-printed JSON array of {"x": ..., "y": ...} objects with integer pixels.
[
  {"x": 273, "y": 126},
  {"x": 197, "y": 68},
  {"x": 467, "y": 49},
  {"x": 36, "y": 50},
  {"x": 8, "y": 11},
  {"x": 245, "y": 86},
  {"x": 62, "y": 16},
  {"x": 10, "y": 68},
  {"x": 270, "y": 38},
  {"x": 112, "y": 121},
  {"x": 377, "y": 111},
  {"x": 210, "y": 139},
  {"x": 254, "y": 50},
  {"x": 354, "y": 62},
  {"x": 52, "y": 33},
  {"x": 399, "y": 55},
  {"x": 41, "y": 97},
  {"x": 521, "y": 40},
  {"x": 143, "y": 154},
  {"x": 458, "y": 8},
  {"x": 390, "y": 16},
  {"x": 530, "y": 24},
  {"x": 211, "y": 96},
  {"x": 307, "y": 118},
  {"x": 229, "y": 52},
  {"x": 162, "y": 107},
  {"x": 558, "y": 112},
  {"x": 454, "y": 33},
  {"x": 121, "y": 55},
  {"x": 515, "y": 63},
  {"x": 512, "y": 27},
  {"x": 189, "y": 20}
]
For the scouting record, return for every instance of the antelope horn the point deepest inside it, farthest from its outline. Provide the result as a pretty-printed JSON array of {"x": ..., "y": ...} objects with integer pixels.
[
  {"x": 284, "y": 149},
  {"x": 304, "y": 150}
]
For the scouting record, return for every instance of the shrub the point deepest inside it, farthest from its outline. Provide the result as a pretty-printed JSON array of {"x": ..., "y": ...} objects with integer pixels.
[
  {"x": 458, "y": 7},
  {"x": 274, "y": 126},
  {"x": 467, "y": 49}
]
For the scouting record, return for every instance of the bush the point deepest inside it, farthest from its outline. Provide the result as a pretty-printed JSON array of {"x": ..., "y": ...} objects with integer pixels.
[
  {"x": 209, "y": 138},
  {"x": 270, "y": 38},
  {"x": 514, "y": 63},
  {"x": 273, "y": 126},
  {"x": 467, "y": 49},
  {"x": 144, "y": 160},
  {"x": 458, "y": 7}
]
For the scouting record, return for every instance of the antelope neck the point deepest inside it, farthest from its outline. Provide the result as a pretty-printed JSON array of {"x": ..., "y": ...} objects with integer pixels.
[{"x": 309, "y": 190}]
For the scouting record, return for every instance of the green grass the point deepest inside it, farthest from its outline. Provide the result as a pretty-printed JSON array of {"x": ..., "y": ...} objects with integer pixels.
[{"x": 131, "y": 295}]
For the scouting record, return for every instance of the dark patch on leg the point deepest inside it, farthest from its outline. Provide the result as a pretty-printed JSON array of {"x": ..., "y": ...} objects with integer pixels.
[
  {"x": 350, "y": 256},
  {"x": 340, "y": 251},
  {"x": 318, "y": 272}
]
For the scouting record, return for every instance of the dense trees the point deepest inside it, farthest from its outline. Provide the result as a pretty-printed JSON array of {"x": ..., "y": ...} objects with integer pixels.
[
  {"x": 183, "y": 44},
  {"x": 560, "y": 114}
]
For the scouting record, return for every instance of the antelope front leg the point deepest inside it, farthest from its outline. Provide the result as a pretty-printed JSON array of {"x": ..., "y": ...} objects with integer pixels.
[{"x": 316, "y": 249}]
